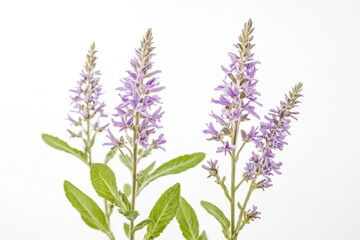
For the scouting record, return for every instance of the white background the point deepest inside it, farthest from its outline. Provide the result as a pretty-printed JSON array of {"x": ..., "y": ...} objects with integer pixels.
[{"x": 43, "y": 47}]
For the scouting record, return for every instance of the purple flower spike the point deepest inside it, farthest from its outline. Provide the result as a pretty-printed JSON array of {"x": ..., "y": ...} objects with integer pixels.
[
  {"x": 238, "y": 94},
  {"x": 212, "y": 168},
  {"x": 272, "y": 137},
  {"x": 85, "y": 100},
  {"x": 140, "y": 110}
]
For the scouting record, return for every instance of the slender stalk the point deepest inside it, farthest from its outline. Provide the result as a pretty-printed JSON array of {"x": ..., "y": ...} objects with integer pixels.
[
  {"x": 243, "y": 207},
  {"x": 134, "y": 173},
  {"x": 232, "y": 203},
  {"x": 233, "y": 178},
  {"x": 223, "y": 186},
  {"x": 107, "y": 211},
  {"x": 239, "y": 184}
]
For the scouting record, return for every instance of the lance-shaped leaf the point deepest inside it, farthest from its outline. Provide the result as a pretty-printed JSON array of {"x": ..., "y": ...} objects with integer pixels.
[
  {"x": 63, "y": 146},
  {"x": 187, "y": 219},
  {"x": 127, "y": 189},
  {"x": 141, "y": 224},
  {"x": 203, "y": 236},
  {"x": 90, "y": 212},
  {"x": 127, "y": 230},
  {"x": 219, "y": 215},
  {"x": 163, "y": 212},
  {"x": 110, "y": 155},
  {"x": 104, "y": 182},
  {"x": 145, "y": 173},
  {"x": 174, "y": 166},
  {"x": 126, "y": 160}
]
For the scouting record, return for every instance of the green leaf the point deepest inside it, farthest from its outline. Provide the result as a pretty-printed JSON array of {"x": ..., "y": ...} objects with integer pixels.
[
  {"x": 131, "y": 215},
  {"x": 104, "y": 182},
  {"x": 63, "y": 146},
  {"x": 127, "y": 230},
  {"x": 125, "y": 201},
  {"x": 144, "y": 173},
  {"x": 126, "y": 161},
  {"x": 90, "y": 212},
  {"x": 142, "y": 224},
  {"x": 187, "y": 219},
  {"x": 203, "y": 236},
  {"x": 110, "y": 155},
  {"x": 127, "y": 189},
  {"x": 163, "y": 212},
  {"x": 219, "y": 215},
  {"x": 141, "y": 151},
  {"x": 174, "y": 166}
]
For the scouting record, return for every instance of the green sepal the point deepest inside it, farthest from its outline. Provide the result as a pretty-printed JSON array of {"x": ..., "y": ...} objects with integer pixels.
[
  {"x": 61, "y": 145},
  {"x": 175, "y": 166}
]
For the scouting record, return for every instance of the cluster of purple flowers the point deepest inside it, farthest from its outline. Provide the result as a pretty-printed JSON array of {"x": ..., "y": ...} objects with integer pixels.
[
  {"x": 138, "y": 100},
  {"x": 85, "y": 101},
  {"x": 273, "y": 133},
  {"x": 238, "y": 93},
  {"x": 253, "y": 213}
]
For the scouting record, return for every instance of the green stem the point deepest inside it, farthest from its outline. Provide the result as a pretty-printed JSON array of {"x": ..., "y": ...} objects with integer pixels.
[
  {"x": 233, "y": 177},
  {"x": 134, "y": 174},
  {"x": 239, "y": 184},
  {"x": 107, "y": 211},
  {"x": 243, "y": 207},
  {"x": 241, "y": 148},
  {"x": 223, "y": 186}
]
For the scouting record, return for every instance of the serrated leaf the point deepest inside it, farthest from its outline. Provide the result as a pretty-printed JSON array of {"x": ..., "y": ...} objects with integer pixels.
[
  {"x": 203, "y": 236},
  {"x": 163, "y": 211},
  {"x": 59, "y": 144},
  {"x": 177, "y": 165},
  {"x": 127, "y": 230},
  {"x": 110, "y": 155},
  {"x": 90, "y": 212},
  {"x": 187, "y": 220},
  {"x": 218, "y": 214},
  {"x": 104, "y": 182},
  {"x": 142, "y": 224},
  {"x": 127, "y": 189}
]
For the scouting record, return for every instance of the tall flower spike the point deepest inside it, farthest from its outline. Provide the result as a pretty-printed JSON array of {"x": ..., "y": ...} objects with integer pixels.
[
  {"x": 238, "y": 96},
  {"x": 273, "y": 133},
  {"x": 85, "y": 101},
  {"x": 139, "y": 110}
]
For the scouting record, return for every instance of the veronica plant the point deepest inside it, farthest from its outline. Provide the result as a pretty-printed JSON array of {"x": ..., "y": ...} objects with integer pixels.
[
  {"x": 238, "y": 99},
  {"x": 136, "y": 120}
]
